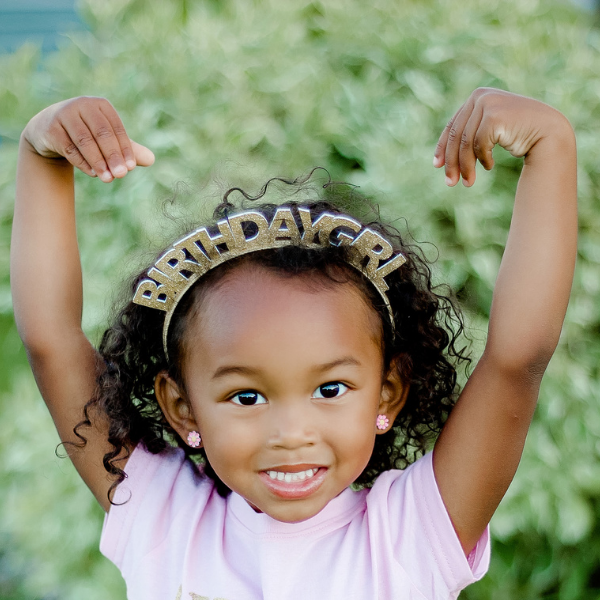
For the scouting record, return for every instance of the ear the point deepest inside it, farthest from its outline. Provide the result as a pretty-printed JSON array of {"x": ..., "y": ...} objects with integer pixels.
[
  {"x": 394, "y": 392},
  {"x": 174, "y": 405}
]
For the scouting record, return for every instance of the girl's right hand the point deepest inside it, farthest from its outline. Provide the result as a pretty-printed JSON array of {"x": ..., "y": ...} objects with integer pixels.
[{"x": 89, "y": 133}]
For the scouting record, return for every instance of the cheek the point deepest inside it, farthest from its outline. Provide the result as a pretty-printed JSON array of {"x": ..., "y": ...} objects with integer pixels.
[
  {"x": 228, "y": 443},
  {"x": 354, "y": 433},
  {"x": 356, "y": 428}
]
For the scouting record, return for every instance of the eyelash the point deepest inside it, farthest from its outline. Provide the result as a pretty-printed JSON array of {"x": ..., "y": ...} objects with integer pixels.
[
  {"x": 248, "y": 393},
  {"x": 331, "y": 384},
  {"x": 255, "y": 395}
]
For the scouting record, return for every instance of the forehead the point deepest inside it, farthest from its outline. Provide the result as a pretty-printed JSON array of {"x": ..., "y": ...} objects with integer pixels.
[{"x": 256, "y": 314}]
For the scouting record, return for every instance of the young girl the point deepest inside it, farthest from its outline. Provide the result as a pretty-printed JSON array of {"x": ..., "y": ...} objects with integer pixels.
[{"x": 299, "y": 351}]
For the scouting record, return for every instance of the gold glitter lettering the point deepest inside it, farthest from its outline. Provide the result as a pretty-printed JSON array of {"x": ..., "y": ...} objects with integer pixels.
[
  {"x": 189, "y": 244},
  {"x": 307, "y": 225},
  {"x": 192, "y": 256},
  {"x": 291, "y": 232},
  {"x": 386, "y": 269},
  {"x": 365, "y": 245},
  {"x": 257, "y": 241},
  {"x": 173, "y": 271},
  {"x": 326, "y": 224},
  {"x": 210, "y": 243},
  {"x": 148, "y": 292}
]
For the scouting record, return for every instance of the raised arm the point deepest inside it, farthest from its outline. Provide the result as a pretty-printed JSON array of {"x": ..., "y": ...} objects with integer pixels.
[
  {"x": 45, "y": 268},
  {"x": 477, "y": 454}
]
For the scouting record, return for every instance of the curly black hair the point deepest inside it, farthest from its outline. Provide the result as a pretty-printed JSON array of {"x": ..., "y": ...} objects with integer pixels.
[{"x": 423, "y": 346}]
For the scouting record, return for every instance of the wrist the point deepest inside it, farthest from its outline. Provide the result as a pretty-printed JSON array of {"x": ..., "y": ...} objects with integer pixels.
[
  {"x": 27, "y": 148},
  {"x": 557, "y": 138},
  {"x": 34, "y": 136},
  {"x": 24, "y": 142}
]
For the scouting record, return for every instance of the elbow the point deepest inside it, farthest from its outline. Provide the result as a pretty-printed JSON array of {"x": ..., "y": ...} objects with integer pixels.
[
  {"x": 523, "y": 362},
  {"x": 38, "y": 341},
  {"x": 45, "y": 344},
  {"x": 39, "y": 351},
  {"x": 522, "y": 350}
]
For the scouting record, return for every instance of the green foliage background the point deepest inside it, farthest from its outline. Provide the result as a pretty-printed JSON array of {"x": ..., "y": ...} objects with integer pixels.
[{"x": 236, "y": 91}]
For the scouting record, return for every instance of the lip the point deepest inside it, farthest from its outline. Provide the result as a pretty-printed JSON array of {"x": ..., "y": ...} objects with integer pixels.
[
  {"x": 294, "y": 490},
  {"x": 293, "y": 468}
]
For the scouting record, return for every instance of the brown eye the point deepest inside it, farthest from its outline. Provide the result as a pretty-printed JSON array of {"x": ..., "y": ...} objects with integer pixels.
[
  {"x": 330, "y": 390},
  {"x": 248, "y": 398}
]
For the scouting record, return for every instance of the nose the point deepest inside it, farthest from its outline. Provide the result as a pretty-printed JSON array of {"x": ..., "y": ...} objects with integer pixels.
[{"x": 291, "y": 426}]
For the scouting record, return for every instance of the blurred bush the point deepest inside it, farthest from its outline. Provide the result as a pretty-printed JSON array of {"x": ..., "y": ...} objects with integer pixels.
[{"x": 233, "y": 92}]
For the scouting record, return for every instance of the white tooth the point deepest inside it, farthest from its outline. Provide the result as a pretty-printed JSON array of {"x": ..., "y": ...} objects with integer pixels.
[{"x": 290, "y": 477}]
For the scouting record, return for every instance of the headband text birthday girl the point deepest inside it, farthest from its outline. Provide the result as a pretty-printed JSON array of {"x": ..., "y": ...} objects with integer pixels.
[{"x": 189, "y": 258}]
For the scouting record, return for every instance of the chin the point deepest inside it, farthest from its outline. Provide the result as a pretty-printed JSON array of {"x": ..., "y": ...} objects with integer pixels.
[{"x": 294, "y": 512}]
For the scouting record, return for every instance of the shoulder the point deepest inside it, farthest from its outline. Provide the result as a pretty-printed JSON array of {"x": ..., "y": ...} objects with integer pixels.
[
  {"x": 410, "y": 499},
  {"x": 406, "y": 481},
  {"x": 159, "y": 491},
  {"x": 407, "y": 501},
  {"x": 406, "y": 507},
  {"x": 165, "y": 469}
]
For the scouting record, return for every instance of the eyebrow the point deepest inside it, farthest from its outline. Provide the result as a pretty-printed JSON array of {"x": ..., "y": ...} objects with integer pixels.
[
  {"x": 340, "y": 362},
  {"x": 233, "y": 370},
  {"x": 243, "y": 370}
]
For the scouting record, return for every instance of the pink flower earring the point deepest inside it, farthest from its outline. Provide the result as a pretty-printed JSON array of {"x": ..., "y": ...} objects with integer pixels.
[
  {"x": 382, "y": 422},
  {"x": 194, "y": 439}
]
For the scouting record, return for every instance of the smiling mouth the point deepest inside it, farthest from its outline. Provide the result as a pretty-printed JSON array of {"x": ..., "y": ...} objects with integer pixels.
[
  {"x": 292, "y": 477},
  {"x": 294, "y": 485}
]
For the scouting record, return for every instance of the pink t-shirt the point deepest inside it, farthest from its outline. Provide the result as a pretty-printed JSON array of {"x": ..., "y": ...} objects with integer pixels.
[{"x": 177, "y": 539}]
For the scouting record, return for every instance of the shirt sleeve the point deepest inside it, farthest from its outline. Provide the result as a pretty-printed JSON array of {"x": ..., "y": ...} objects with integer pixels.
[
  {"x": 421, "y": 534},
  {"x": 158, "y": 488}
]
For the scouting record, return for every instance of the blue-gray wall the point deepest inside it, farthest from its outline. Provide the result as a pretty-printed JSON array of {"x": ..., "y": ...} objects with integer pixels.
[{"x": 38, "y": 21}]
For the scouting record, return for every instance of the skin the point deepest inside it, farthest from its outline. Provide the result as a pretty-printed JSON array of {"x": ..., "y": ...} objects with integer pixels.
[
  {"x": 478, "y": 451},
  {"x": 277, "y": 336}
]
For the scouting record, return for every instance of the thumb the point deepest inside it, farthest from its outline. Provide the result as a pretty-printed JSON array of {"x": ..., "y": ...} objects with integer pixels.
[{"x": 144, "y": 157}]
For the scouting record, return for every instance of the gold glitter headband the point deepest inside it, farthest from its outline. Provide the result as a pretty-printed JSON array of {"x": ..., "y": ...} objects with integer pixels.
[{"x": 189, "y": 258}]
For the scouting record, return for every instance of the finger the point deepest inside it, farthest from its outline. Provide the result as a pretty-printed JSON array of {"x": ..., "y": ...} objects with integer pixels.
[
  {"x": 453, "y": 144},
  {"x": 484, "y": 143},
  {"x": 85, "y": 144},
  {"x": 106, "y": 140},
  {"x": 439, "y": 155},
  {"x": 71, "y": 152},
  {"x": 119, "y": 130},
  {"x": 144, "y": 157},
  {"x": 467, "y": 159}
]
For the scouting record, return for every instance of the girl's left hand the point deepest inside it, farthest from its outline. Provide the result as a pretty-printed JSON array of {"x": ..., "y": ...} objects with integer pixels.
[
  {"x": 477, "y": 453},
  {"x": 487, "y": 118}
]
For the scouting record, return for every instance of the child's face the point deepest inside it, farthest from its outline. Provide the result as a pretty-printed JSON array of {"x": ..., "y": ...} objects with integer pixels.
[{"x": 285, "y": 379}]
